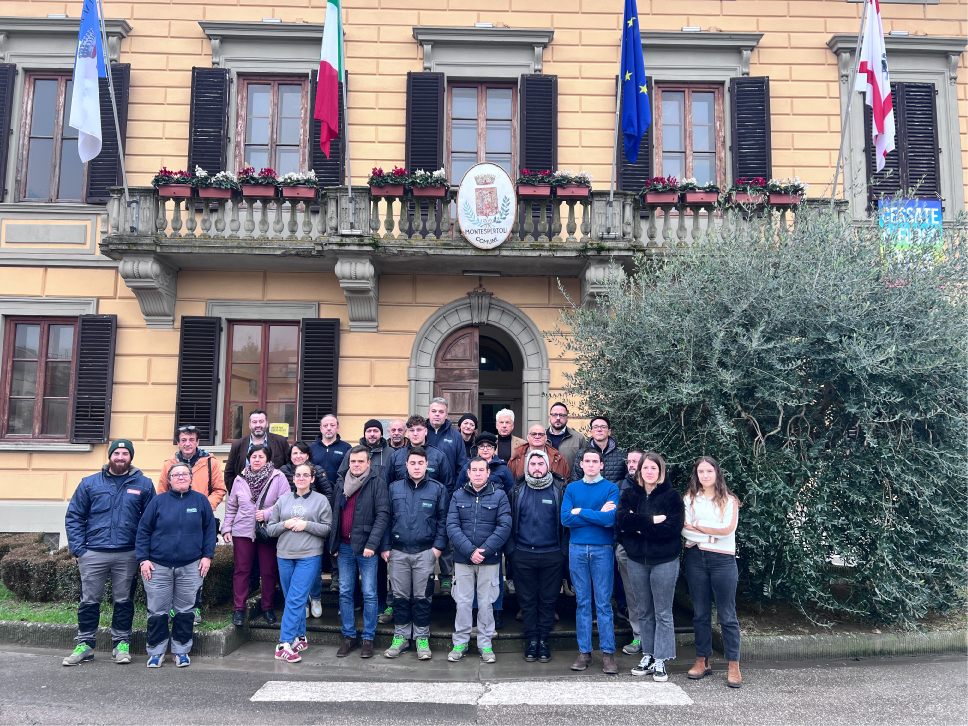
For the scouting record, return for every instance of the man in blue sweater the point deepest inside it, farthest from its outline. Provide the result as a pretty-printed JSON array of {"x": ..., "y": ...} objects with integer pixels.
[{"x": 588, "y": 510}]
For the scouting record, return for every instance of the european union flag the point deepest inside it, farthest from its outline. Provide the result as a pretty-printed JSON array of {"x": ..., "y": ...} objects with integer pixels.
[{"x": 636, "y": 112}]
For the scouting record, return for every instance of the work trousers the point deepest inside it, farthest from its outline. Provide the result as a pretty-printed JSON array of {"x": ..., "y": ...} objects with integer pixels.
[
  {"x": 537, "y": 584},
  {"x": 411, "y": 604},
  {"x": 94, "y": 568},
  {"x": 172, "y": 588},
  {"x": 622, "y": 558},
  {"x": 472, "y": 582}
]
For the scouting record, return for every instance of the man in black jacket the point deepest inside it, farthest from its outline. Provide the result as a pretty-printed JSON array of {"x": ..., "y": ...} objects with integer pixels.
[
  {"x": 537, "y": 547},
  {"x": 613, "y": 458},
  {"x": 360, "y": 517},
  {"x": 259, "y": 434},
  {"x": 377, "y": 445}
]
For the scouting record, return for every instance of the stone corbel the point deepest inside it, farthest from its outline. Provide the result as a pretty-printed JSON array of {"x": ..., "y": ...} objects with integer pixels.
[
  {"x": 595, "y": 278},
  {"x": 953, "y": 59},
  {"x": 154, "y": 283},
  {"x": 114, "y": 48},
  {"x": 844, "y": 66},
  {"x": 3, "y": 47},
  {"x": 428, "y": 59},
  {"x": 744, "y": 60},
  {"x": 360, "y": 284},
  {"x": 216, "y": 51}
]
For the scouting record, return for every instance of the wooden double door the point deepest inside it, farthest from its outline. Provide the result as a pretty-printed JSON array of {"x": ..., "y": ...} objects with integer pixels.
[{"x": 458, "y": 372}]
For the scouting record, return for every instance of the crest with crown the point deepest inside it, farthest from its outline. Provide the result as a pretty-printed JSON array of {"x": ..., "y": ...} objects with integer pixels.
[{"x": 482, "y": 179}]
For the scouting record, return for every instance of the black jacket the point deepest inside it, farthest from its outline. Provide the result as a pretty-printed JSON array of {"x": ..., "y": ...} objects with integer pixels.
[
  {"x": 613, "y": 459},
  {"x": 479, "y": 520},
  {"x": 557, "y": 490},
  {"x": 418, "y": 516},
  {"x": 622, "y": 486},
  {"x": 379, "y": 458},
  {"x": 646, "y": 542},
  {"x": 323, "y": 485},
  {"x": 239, "y": 456},
  {"x": 450, "y": 443},
  {"x": 438, "y": 467},
  {"x": 329, "y": 457},
  {"x": 370, "y": 516}
]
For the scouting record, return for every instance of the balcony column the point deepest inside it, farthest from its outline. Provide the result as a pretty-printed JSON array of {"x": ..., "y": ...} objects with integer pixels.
[
  {"x": 154, "y": 283},
  {"x": 360, "y": 283}
]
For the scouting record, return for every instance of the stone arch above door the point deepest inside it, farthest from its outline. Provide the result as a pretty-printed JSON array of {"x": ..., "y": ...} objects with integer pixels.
[{"x": 536, "y": 375}]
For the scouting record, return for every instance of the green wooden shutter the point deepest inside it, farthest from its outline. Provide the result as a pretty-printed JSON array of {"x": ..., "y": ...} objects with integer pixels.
[
  {"x": 330, "y": 172},
  {"x": 632, "y": 177},
  {"x": 539, "y": 122},
  {"x": 318, "y": 374},
  {"x": 8, "y": 77}
]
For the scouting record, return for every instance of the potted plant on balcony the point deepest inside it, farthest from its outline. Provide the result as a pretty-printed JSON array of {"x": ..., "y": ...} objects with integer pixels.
[
  {"x": 298, "y": 185},
  {"x": 748, "y": 190},
  {"x": 660, "y": 190},
  {"x": 786, "y": 192},
  {"x": 221, "y": 186},
  {"x": 695, "y": 193},
  {"x": 387, "y": 183},
  {"x": 568, "y": 185},
  {"x": 534, "y": 184},
  {"x": 261, "y": 185},
  {"x": 429, "y": 184},
  {"x": 173, "y": 184}
]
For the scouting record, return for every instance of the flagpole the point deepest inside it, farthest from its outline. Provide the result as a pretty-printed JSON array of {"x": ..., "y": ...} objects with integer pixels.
[
  {"x": 850, "y": 99},
  {"x": 114, "y": 109},
  {"x": 345, "y": 132},
  {"x": 611, "y": 188}
]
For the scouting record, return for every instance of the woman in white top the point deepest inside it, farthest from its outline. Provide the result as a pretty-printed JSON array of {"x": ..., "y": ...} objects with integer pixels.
[{"x": 710, "y": 564}]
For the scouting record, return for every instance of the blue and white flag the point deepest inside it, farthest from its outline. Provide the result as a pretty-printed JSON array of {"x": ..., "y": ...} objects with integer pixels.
[
  {"x": 86, "y": 98},
  {"x": 636, "y": 111}
]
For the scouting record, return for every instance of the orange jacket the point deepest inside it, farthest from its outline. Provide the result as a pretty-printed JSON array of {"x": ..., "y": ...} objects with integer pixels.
[
  {"x": 213, "y": 488},
  {"x": 558, "y": 464}
]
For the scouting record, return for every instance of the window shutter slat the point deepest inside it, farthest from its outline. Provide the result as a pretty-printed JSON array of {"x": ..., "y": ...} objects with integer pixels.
[
  {"x": 920, "y": 140},
  {"x": 425, "y": 121},
  {"x": 330, "y": 172},
  {"x": 632, "y": 177},
  {"x": 196, "y": 400},
  {"x": 889, "y": 180},
  {"x": 209, "y": 121},
  {"x": 539, "y": 122},
  {"x": 94, "y": 378},
  {"x": 8, "y": 77},
  {"x": 104, "y": 170},
  {"x": 752, "y": 143},
  {"x": 318, "y": 373}
]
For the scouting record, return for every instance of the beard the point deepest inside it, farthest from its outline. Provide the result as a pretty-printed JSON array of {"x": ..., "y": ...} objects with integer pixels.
[{"x": 119, "y": 469}]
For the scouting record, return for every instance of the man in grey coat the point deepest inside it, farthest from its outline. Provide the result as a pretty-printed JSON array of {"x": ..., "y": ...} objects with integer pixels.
[{"x": 567, "y": 440}]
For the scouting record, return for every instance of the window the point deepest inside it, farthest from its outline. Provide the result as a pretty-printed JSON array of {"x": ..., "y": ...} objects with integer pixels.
[
  {"x": 481, "y": 127},
  {"x": 690, "y": 134},
  {"x": 272, "y": 122},
  {"x": 263, "y": 363},
  {"x": 494, "y": 356},
  {"x": 38, "y": 377},
  {"x": 51, "y": 170}
]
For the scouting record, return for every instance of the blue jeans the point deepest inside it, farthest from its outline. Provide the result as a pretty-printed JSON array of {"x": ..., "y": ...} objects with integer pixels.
[
  {"x": 316, "y": 591},
  {"x": 592, "y": 570},
  {"x": 655, "y": 589},
  {"x": 713, "y": 575},
  {"x": 296, "y": 577},
  {"x": 348, "y": 562}
]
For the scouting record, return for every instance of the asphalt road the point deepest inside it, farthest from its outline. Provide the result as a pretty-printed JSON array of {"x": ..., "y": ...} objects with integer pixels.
[{"x": 38, "y": 690}]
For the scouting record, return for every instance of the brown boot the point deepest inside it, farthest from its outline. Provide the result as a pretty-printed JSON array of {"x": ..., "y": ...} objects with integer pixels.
[
  {"x": 608, "y": 664},
  {"x": 700, "y": 670},
  {"x": 582, "y": 662},
  {"x": 734, "y": 678},
  {"x": 349, "y": 644},
  {"x": 366, "y": 651}
]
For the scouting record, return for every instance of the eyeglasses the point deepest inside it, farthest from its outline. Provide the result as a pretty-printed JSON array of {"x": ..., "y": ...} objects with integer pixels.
[
  {"x": 559, "y": 415},
  {"x": 180, "y": 475},
  {"x": 302, "y": 476},
  {"x": 599, "y": 427},
  {"x": 537, "y": 436}
]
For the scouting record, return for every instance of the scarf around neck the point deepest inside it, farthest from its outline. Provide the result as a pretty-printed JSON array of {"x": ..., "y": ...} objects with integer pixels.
[
  {"x": 545, "y": 481},
  {"x": 352, "y": 484},
  {"x": 257, "y": 480}
]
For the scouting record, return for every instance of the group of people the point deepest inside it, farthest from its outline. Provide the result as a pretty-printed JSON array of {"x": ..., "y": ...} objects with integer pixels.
[{"x": 490, "y": 513}]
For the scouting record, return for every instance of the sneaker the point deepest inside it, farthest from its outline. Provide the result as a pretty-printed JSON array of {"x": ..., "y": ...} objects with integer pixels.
[
  {"x": 487, "y": 655},
  {"x": 198, "y": 616},
  {"x": 423, "y": 649},
  {"x": 645, "y": 666},
  {"x": 122, "y": 653},
  {"x": 334, "y": 585},
  {"x": 386, "y": 616},
  {"x": 155, "y": 661},
  {"x": 457, "y": 653},
  {"x": 632, "y": 648},
  {"x": 300, "y": 643},
  {"x": 567, "y": 589},
  {"x": 510, "y": 586},
  {"x": 445, "y": 587},
  {"x": 317, "y": 608},
  {"x": 398, "y": 646},
  {"x": 285, "y": 652},
  {"x": 182, "y": 660},
  {"x": 659, "y": 674},
  {"x": 82, "y": 654}
]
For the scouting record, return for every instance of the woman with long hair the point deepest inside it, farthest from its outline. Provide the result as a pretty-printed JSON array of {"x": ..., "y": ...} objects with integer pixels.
[
  {"x": 650, "y": 516},
  {"x": 712, "y": 511}
]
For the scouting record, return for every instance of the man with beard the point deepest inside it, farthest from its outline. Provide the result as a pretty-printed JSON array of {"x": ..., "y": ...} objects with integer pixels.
[
  {"x": 102, "y": 525},
  {"x": 377, "y": 446},
  {"x": 397, "y": 434},
  {"x": 258, "y": 434}
]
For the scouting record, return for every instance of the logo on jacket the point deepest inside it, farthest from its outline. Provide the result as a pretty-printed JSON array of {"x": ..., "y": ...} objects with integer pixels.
[
  {"x": 134, "y": 491},
  {"x": 428, "y": 504},
  {"x": 547, "y": 501},
  {"x": 298, "y": 510},
  {"x": 193, "y": 510}
]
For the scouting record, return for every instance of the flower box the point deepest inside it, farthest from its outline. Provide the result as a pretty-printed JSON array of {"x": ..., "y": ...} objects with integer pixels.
[
  {"x": 746, "y": 197},
  {"x": 387, "y": 190},
  {"x": 778, "y": 199},
  {"x": 214, "y": 193},
  {"x": 573, "y": 191},
  {"x": 299, "y": 192},
  {"x": 534, "y": 191},
  {"x": 429, "y": 191},
  {"x": 662, "y": 197},
  {"x": 260, "y": 191},
  {"x": 175, "y": 191},
  {"x": 695, "y": 197}
]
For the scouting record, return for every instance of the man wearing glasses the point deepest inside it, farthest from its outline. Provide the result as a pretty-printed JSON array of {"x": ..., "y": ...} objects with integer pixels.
[
  {"x": 568, "y": 441},
  {"x": 613, "y": 458},
  {"x": 538, "y": 441}
]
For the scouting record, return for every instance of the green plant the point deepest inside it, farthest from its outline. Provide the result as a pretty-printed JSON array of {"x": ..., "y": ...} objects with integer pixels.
[
  {"x": 166, "y": 176},
  {"x": 534, "y": 178},
  {"x": 422, "y": 179},
  {"x": 755, "y": 185},
  {"x": 221, "y": 180},
  {"x": 660, "y": 184},
  {"x": 825, "y": 367},
  {"x": 692, "y": 185},
  {"x": 380, "y": 178},
  {"x": 563, "y": 177},
  {"x": 787, "y": 186},
  {"x": 298, "y": 179}
]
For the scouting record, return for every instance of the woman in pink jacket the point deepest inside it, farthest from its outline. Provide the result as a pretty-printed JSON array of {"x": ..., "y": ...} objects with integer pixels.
[{"x": 254, "y": 492}]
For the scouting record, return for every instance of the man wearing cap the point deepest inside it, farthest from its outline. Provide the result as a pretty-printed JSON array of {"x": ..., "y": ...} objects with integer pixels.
[
  {"x": 102, "y": 526},
  {"x": 467, "y": 425},
  {"x": 377, "y": 446}
]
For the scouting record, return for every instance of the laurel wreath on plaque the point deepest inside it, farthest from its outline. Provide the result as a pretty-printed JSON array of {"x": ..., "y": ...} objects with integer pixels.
[{"x": 498, "y": 218}]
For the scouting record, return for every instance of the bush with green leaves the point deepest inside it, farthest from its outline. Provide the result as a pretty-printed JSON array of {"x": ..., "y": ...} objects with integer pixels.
[{"x": 824, "y": 366}]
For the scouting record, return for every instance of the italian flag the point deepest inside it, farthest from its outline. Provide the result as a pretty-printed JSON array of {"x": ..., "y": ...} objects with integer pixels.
[{"x": 330, "y": 75}]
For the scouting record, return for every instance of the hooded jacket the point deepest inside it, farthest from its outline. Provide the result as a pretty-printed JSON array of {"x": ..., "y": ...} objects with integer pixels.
[
  {"x": 557, "y": 463},
  {"x": 329, "y": 457},
  {"x": 448, "y": 441},
  {"x": 379, "y": 458},
  {"x": 371, "y": 515},
  {"x": 500, "y": 475},
  {"x": 556, "y": 492},
  {"x": 418, "y": 516},
  {"x": 613, "y": 462},
  {"x": 479, "y": 520},
  {"x": 645, "y": 541},
  {"x": 206, "y": 477},
  {"x": 176, "y": 529},
  {"x": 240, "y": 508},
  {"x": 104, "y": 515},
  {"x": 438, "y": 467}
]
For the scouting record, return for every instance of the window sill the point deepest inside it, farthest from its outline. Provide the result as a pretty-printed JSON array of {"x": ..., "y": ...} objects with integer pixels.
[{"x": 44, "y": 447}]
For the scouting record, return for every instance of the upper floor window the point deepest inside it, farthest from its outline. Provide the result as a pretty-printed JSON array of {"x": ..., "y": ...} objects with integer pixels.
[
  {"x": 690, "y": 134},
  {"x": 481, "y": 127},
  {"x": 51, "y": 170},
  {"x": 272, "y": 124},
  {"x": 37, "y": 377}
]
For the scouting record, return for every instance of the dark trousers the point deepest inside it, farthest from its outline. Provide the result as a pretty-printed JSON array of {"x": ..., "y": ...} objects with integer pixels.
[
  {"x": 713, "y": 575},
  {"x": 246, "y": 552},
  {"x": 537, "y": 580}
]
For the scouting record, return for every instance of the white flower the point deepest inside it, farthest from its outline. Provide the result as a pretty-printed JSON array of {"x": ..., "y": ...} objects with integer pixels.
[
  {"x": 199, "y": 171},
  {"x": 440, "y": 174},
  {"x": 586, "y": 175}
]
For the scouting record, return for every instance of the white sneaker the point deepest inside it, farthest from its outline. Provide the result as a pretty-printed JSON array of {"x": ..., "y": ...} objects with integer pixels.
[
  {"x": 317, "y": 608},
  {"x": 510, "y": 586}
]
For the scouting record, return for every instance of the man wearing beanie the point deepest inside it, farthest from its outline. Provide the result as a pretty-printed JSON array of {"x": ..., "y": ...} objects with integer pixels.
[
  {"x": 467, "y": 425},
  {"x": 102, "y": 525},
  {"x": 377, "y": 445}
]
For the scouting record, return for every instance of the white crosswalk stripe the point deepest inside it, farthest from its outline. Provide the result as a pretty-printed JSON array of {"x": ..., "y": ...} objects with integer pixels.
[{"x": 510, "y": 693}]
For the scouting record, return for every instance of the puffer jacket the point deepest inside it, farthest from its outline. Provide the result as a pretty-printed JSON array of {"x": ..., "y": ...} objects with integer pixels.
[
  {"x": 557, "y": 491},
  {"x": 371, "y": 515},
  {"x": 418, "y": 516},
  {"x": 379, "y": 458},
  {"x": 323, "y": 484},
  {"x": 500, "y": 476},
  {"x": 645, "y": 541},
  {"x": 438, "y": 468},
  {"x": 479, "y": 520},
  {"x": 240, "y": 508},
  {"x": 103, "y": 515},
  {"x": 448, "y": 441},
  {"x": 613, "y": 460}
]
